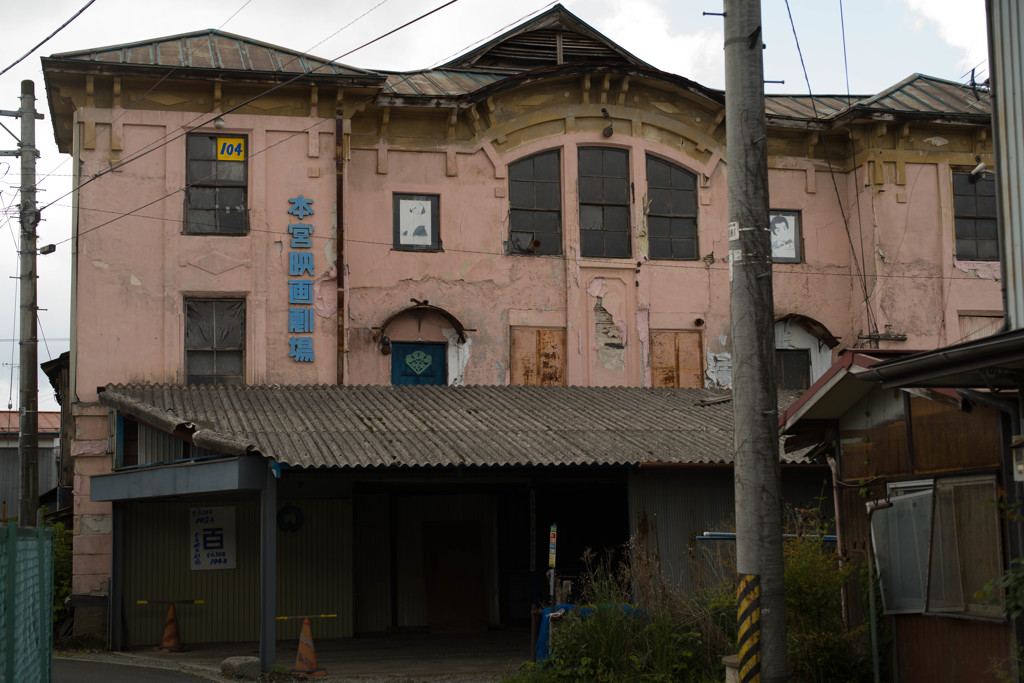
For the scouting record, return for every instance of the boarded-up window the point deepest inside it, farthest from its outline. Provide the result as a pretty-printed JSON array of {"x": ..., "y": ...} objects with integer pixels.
[
  {"x": 676, "y": 359},
  {"x": 538, "y": 356},
  {"x": 978, "y": 326},
  {"x": 215, "y": 341}
]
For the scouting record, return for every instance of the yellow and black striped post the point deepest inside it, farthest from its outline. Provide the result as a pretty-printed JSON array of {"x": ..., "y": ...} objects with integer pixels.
[{"x": 748, "y": 627}]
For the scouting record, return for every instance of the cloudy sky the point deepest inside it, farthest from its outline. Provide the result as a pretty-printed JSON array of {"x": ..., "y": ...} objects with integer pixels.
[{"x": 885, "y": 41}]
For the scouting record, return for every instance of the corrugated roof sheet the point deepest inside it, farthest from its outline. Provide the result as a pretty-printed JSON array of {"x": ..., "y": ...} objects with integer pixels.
[
  {"x": 213, "y": 49},
  {"x": 917, "y": 94},
  {"x": 386, "y": 426},
  {"x": 48, "y": 422}
]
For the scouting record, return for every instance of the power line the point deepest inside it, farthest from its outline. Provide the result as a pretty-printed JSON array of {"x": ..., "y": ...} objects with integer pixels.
[
  {"x": 43, "y": 42},
  {"x": 146, "y": 94},
  {"x": 244, "y": 103}
]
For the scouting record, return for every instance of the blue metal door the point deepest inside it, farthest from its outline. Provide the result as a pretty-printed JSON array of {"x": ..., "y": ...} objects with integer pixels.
[{"x": 415, "y": 364}]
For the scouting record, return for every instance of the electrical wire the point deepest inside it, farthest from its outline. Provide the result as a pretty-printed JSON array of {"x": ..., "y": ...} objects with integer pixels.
[
  {"x": 872, "y": 325},
  {"x": 244, "y": 103},
  {"x": 131, "y": 106},
  {"x": 47, "y": 38}
]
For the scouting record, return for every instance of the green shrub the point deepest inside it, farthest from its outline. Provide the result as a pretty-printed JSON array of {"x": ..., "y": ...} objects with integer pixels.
[{"x": 819, "y": 646}]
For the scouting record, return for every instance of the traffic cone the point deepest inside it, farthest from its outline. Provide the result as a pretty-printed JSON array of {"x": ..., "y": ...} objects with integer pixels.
[
  {"x": 305, "y": 661},
  {"x": 171, "y": 641}
]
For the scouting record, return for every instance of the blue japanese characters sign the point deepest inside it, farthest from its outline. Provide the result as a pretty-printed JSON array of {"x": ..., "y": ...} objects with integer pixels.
[
  {"x": 212, "y": 538},
  {"x": 300, "y": 291}
]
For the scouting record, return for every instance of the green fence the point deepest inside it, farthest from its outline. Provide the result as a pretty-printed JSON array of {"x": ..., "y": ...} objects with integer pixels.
[{"x": 26, "y": 603}]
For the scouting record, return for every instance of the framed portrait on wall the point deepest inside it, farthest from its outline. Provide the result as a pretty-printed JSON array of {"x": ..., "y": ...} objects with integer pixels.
[
  {"x": 417, "y": 222},
  {"x": 785, "y": 228}
]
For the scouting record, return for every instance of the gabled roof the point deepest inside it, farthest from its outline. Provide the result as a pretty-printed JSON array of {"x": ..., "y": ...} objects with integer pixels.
[
  {"x": 556, "y": 37},
  {"x": 210, "y": 50},
  {"x": 481, "y": 426}
]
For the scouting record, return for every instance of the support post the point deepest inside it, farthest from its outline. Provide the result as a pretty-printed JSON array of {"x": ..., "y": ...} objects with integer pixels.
[
  {"x": 28, "y": 407},
  {"x": 761, "y": 609},
  {"x": 268, "y": 572}
]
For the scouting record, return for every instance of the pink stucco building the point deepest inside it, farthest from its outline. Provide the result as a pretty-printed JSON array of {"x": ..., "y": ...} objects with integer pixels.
[{"x": 545, "y": 210}]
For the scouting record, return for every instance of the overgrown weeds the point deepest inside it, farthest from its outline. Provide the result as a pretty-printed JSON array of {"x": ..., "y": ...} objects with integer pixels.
[{"x": 636, "y": 626}]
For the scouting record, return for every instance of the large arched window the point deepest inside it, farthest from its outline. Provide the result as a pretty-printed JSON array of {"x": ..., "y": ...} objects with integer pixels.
[
  {"x": 672, "y": 211},
  {"x": 535, "y": 205}
]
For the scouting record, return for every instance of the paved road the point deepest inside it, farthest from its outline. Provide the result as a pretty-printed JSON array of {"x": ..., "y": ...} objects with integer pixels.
[{"x": 77, "y": 671}]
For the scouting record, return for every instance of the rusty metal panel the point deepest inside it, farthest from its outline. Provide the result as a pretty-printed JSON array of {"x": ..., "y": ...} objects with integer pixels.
[
  {"x": 946, "y": 438},
  {"x": 156, "y": 567},
  {"x": 538, "y": 356},
  {"x": 932, "y": 649},
  {"x": 670, "y": 508},
  {"x": 314, "y": 566},
  {"x": 372, "y": 558},
  {"x": 676, "y": 359}
]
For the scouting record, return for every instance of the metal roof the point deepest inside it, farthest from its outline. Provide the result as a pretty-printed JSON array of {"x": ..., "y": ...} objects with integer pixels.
[
  {"x": 47, "y": 422},
  {"x": 212, "y": 49},
  {"x": 916, "y": 94},
  {"x": 388, "y": 426},
  {"x": 438, "y": 83}
]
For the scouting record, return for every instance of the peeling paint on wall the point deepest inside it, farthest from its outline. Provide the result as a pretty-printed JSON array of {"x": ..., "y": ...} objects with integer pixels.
[
  {"x": 458, "y": 357},
  {"x": 325, "y": 294},
  {"x": 643, "y": 327},
  {"x": 136, "y": 282},
  {"x": 611, "y": 351},
  {"x": 984, "y": 270},
  {"x": 719, "y": 371},
  {"x": 101, "y": 264}
]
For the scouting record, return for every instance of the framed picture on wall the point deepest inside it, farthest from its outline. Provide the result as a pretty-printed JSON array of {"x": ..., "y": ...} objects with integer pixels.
[
  {"x": 785, "y": 227},
  {"x": 417, "y": 222}
]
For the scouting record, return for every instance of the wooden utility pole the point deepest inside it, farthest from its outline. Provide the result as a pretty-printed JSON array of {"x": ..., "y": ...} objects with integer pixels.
[
  {"x": 28, "y": 405},
  {"x": 761, "y": 599}
]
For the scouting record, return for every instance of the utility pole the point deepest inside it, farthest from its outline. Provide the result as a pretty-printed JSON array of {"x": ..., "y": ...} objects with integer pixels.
[
  {"x": 761, "y": 605},
  {"x": 28, "y": 406}
]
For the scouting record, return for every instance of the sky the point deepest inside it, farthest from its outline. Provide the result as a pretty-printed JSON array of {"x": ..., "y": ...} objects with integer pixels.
[{"x": 858, "y": 46}]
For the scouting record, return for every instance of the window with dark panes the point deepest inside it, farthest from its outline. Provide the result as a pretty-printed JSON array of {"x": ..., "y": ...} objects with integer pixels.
[
  {"x": 793, "y": 369},
  {"x": 215, "y": 341},
  {"x": 671, "y": 211},
  {"x": 604, "y": 202},
  {"x": 216, "y": 193},
  {"x": 535, "y": 204},
  {"x": 974, "y": 212}
]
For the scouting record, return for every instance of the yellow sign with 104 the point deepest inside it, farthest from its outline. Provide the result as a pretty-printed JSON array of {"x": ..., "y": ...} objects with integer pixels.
[{"x": 230, "y": 149}]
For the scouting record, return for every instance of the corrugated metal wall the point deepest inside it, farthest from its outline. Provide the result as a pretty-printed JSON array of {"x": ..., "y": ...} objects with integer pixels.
[
  {"x": 372, "y": 563},
  {"x": 314, "y": 568},
  {"x": 10, "y": 478},
  {"x": 156, "y": 567},
  {"x": 675, "y": 505},
  {"x": 314, "y": 573}
]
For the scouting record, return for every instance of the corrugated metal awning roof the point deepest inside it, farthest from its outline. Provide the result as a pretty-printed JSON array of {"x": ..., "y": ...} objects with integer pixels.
[{"x": 482, "y": 426}]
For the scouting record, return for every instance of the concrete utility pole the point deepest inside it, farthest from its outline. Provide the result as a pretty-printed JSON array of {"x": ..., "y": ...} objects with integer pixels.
[
  {"x": 28, "y": 405},
  {"x": 761, "y": 605}
]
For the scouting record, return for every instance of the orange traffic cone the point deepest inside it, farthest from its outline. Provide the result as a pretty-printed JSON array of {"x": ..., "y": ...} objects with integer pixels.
[
  {"x": 305, "y": 661},
  {"x": 171, "y": 641}
]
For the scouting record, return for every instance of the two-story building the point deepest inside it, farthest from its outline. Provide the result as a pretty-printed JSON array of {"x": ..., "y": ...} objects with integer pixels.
[{"x": 270, "y": 247}]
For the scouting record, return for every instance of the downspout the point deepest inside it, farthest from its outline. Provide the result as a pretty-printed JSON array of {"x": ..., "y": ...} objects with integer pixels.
[{"x": 339, "y": 228}]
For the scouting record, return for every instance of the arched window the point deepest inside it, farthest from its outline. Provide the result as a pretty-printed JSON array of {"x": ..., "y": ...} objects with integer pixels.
[
  {"x": 672, "y": 211},
  {"x": 535, "y": 204}
]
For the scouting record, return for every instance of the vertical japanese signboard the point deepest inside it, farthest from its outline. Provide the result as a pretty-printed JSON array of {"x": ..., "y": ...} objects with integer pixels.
[
  {"x": 212, "y": 538},
  {"x": 300, "y": 290},
  {"x": 552, "y": 543}
]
